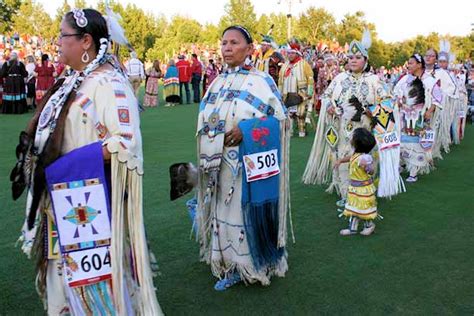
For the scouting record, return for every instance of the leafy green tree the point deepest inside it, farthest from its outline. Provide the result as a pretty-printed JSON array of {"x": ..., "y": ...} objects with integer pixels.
[
  {"x": 8, "y": 9},
  {"x": 115, "y": 6},
  {"x": 140, "y": 29},
  {"x": 463, "y": 46},
  {"x": 239, "y": 12},
  {"x": 154, "y": 37},
  {"x": 262, "y": 26},
  {"x": 280, "y": 27},
  {"x": 80, "y": 4},
  {"x": 60, "y": 13},
  {"x": 379, "y": 53},
  {"x": 210, "y": 34},
  {"x": 400, "y": 52},
  {"x": 352, "y": 26},
  {"x": 32, "y": 19},
  {"x": 316, "y": 24},
  {"x": 181, "y": 32}
]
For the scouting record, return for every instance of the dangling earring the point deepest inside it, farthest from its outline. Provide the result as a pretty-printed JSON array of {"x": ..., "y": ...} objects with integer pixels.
[
  {"x": 248, "y": 61},
  {"x": 85, "y": 57}
]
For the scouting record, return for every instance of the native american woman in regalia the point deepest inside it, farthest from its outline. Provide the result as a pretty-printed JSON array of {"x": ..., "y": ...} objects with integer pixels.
[
  {"x": 448, "y": 85},
  {"x": 458, "y": 101},
  {"x": 459, "y": 123},
  {"x": 243, "y": 189},
  {"x": 327, "y": 73},
  {"x": 419, "y": 98},
  {"x": 355, "y": 98},
  {"x": 81, "y": 161}
]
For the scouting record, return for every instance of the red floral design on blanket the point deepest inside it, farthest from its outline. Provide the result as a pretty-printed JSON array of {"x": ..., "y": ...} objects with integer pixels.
[{"x": 259, "y": 134}]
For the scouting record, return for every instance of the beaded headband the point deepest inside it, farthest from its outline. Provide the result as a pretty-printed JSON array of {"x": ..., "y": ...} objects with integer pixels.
[
  {"x": 242, "y": 30},
  {"x": 443, "y": 56}
]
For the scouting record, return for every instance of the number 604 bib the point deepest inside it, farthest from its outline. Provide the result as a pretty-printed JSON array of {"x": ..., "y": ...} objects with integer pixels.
[
  {"x": 81, "y": 212},
  {"x": 261, "y": 165}
]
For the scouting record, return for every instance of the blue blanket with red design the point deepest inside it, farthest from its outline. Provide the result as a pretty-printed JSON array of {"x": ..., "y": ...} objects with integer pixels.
[{"x": 260, "y": 197}]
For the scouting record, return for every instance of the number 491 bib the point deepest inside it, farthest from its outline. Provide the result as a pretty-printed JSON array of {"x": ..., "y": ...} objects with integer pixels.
[{"x": 261, "y": 165}]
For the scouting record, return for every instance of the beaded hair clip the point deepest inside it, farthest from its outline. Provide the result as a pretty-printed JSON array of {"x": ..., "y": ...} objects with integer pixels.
[
  {"x": 80, "y": 17},
  {"x": 418, "y": 57}
]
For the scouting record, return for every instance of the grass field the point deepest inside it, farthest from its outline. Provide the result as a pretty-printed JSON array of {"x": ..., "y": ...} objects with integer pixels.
[{"x": 419, "y": 262}]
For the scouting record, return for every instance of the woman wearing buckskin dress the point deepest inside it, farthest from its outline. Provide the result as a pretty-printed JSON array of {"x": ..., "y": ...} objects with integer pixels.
[
  {"x": 420, "y": 100},
  {"x": 239, "y": 95},
  {"x": 93, "y": 104},
  {"x": 344, "y": 107}
]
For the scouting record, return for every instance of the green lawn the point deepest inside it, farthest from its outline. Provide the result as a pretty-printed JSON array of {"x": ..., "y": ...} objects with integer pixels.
[{"x": 419, "y": 262}]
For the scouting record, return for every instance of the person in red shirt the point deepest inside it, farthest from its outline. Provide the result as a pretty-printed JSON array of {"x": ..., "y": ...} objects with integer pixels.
[
  {"x": 196, "y": 70},
  {"x": 184, "y": 73},
  {"x": 45, "y": 74}
]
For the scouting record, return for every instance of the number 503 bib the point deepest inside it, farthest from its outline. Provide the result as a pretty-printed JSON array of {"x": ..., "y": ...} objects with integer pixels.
[{"x": 261, "y": 165}]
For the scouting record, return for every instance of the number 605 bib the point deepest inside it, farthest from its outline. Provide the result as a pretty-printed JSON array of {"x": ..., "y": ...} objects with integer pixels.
[{"x": 261, "y": 165}]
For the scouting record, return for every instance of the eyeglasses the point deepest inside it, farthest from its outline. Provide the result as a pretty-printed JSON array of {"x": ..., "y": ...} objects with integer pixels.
[{"x": 61, "y": 35}]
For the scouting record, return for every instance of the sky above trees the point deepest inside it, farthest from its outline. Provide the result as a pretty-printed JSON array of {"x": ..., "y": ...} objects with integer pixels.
[
  {"x": 395, "y": 20},
  {"x": 159, "y": 36}
]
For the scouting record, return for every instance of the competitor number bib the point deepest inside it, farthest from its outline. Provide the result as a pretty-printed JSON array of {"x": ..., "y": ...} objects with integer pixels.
[
  {"x": 87, "y": 266},
  {"x": 428, "y": 136},
  {"x": 261, "y": 165},
  {"x": 81, "y": 210},
  {"x": 389, "y": 140}
]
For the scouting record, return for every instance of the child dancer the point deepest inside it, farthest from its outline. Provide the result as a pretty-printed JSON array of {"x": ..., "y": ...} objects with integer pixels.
[{"x": 361, "y": 202}]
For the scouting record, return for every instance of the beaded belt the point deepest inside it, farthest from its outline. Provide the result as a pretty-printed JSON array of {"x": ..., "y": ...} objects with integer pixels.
[{"x": 356, "y": 183}]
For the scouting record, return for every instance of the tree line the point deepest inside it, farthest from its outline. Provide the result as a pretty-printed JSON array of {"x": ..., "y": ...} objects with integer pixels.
[{"x": 156, "y": 37}]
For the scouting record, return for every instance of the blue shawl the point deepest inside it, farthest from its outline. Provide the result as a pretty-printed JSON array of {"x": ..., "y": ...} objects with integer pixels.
[
  {"x": 260, "y": 198},
  {"x": 171, "y": 72}
]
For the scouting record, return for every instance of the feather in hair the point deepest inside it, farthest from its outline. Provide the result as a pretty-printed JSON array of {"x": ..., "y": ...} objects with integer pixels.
[
  {"x": 116, "y": 31},
  {"x": 444, "y": 46},
  {"x": 366, "y": 39}
]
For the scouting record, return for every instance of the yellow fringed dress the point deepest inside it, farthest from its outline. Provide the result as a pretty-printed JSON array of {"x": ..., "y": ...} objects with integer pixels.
[{"x": 361, "y": 200}]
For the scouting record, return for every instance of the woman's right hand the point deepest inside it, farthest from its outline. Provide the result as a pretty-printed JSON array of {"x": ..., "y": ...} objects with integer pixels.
[{"x": 233, "y": 137}]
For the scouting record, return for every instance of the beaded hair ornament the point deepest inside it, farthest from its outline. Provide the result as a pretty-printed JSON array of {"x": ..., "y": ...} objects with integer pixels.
[
  {"x": 80, "y": 17},
  {"x": 418, "y": 57}
]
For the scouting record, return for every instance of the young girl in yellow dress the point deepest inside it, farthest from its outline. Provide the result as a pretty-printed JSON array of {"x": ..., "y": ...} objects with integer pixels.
[{"x": 361, "y": 201}]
